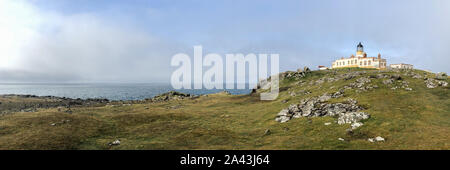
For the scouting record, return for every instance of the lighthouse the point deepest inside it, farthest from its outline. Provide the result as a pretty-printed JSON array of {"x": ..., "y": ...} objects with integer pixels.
[{"x": 360, "y": 50}]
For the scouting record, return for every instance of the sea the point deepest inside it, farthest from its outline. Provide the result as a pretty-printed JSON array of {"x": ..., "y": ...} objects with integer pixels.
[{"x": 110, "y": 91}]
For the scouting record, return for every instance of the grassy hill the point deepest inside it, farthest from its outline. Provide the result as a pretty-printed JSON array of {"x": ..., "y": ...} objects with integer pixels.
[{"x": 416, "y": 118}]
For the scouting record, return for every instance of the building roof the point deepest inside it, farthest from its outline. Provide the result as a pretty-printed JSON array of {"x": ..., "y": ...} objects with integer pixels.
[{"x": 360, "y": 45}]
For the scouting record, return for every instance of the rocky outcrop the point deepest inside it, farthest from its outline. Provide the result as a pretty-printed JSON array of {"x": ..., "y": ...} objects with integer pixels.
[
  {"x": 376, "y": 139},
  {"x": 114, "y": 143},
  {"x": 300, "y": 73},
  {"x": 441, "y": 76},
  {"x": 347, "y": 112},
  {"x": 433, "y": 83},
  {"x": 171, "y": 95},
  {"x": 361, "y": 84},
  {"x": 388, "y": 81}
]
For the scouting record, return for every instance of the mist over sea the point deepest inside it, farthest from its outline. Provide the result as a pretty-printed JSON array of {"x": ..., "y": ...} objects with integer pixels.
[{"x": 111, "y": 91}]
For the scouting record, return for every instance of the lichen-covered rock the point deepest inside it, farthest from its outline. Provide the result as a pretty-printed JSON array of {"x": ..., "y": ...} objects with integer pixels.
[
  {"x": 352, "y": 117},
  {"x": 348, "y": 112},
  {"x": 283, "y": 116},
  {"x": 432, "y": 83},
  {"x": 376, "y": 139},
  {"x": 441, "y": 76},
  {"x": 388, "y": 81},
  {"x": 356, "y": 125}
]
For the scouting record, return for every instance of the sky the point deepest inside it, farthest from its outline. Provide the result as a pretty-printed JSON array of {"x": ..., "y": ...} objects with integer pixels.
[{"x": 134, "y": 40}]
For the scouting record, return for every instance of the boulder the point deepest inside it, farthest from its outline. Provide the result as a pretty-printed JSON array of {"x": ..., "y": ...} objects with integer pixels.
[
  {"x": 306, "y": 69},
  {"x": 352, "y": 117},
  {"x": 388, "y": 81},
  {"x": 379, "y": 139},
  {"x": 430, "y": 84},
  {"x": 283, "y": 116},
  {"x": 441, "y": 76},
  {"x": 116, "y": 142},
  {"x": 171, "y": 95},
  {"x": 356, "y": 125}
]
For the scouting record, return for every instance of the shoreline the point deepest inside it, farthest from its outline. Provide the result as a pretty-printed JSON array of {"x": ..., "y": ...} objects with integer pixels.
[{"x": 31, "y": 103}]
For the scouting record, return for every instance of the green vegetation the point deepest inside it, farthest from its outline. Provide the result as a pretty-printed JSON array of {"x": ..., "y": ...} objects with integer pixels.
[{"x": 417, "y": 119}]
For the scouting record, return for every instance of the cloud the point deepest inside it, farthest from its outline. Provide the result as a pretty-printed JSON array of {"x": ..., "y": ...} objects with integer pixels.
[{"x": 81, "y": 45}]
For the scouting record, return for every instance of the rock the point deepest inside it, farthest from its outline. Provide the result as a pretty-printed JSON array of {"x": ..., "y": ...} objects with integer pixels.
[
  {"x": 171, "y": 95},
  {"x": 53, "y": 124},
  {"x": 341, "y": 139},
  {"x": 430, "y": 84},
  {"x": 442, "y": 83},
  {"x": 408, "y": 89},
  {"x": 338, "y": 94},
  {"x": 304, "y": 92},
  {"x": 306, "y": 69},
  {"x": 380, "y": 76},
  {"x": 349, "y": 131},
  {"x": 267, "y": 132},
  {"x": 297, "y": 75},
  {"x": 307, "y": 108},
  {"x": 283, "y": 116},
  {"x": 324, "y": 97},
  {"x": 328, "y": 123},
  {"x": 379, "y": 139},
  {"x": 352, "y": 117},
  {"x": 363, "y": 80},
  {"x": 388, "y": 81},
  {"x": 441, "y": 76},
  {"x": 359, "y": 84},
  {"x": 376, "y": 139},
  {"x": 356, "y": 125},
  {"x": 116, "y": 142}
]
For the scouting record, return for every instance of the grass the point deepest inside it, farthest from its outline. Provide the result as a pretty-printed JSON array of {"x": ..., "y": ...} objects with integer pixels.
[{"x": 418, "y": 119}]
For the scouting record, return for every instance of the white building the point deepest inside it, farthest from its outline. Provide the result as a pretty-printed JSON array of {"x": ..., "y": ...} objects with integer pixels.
[
  {"x": 323, "y": 68},
  {"x": 401, "y": 66},
  {"x": 360, "y": 60}
]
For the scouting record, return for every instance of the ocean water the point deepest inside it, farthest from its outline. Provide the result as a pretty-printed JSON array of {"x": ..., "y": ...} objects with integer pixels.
[{"x": 113, "y": 91}]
